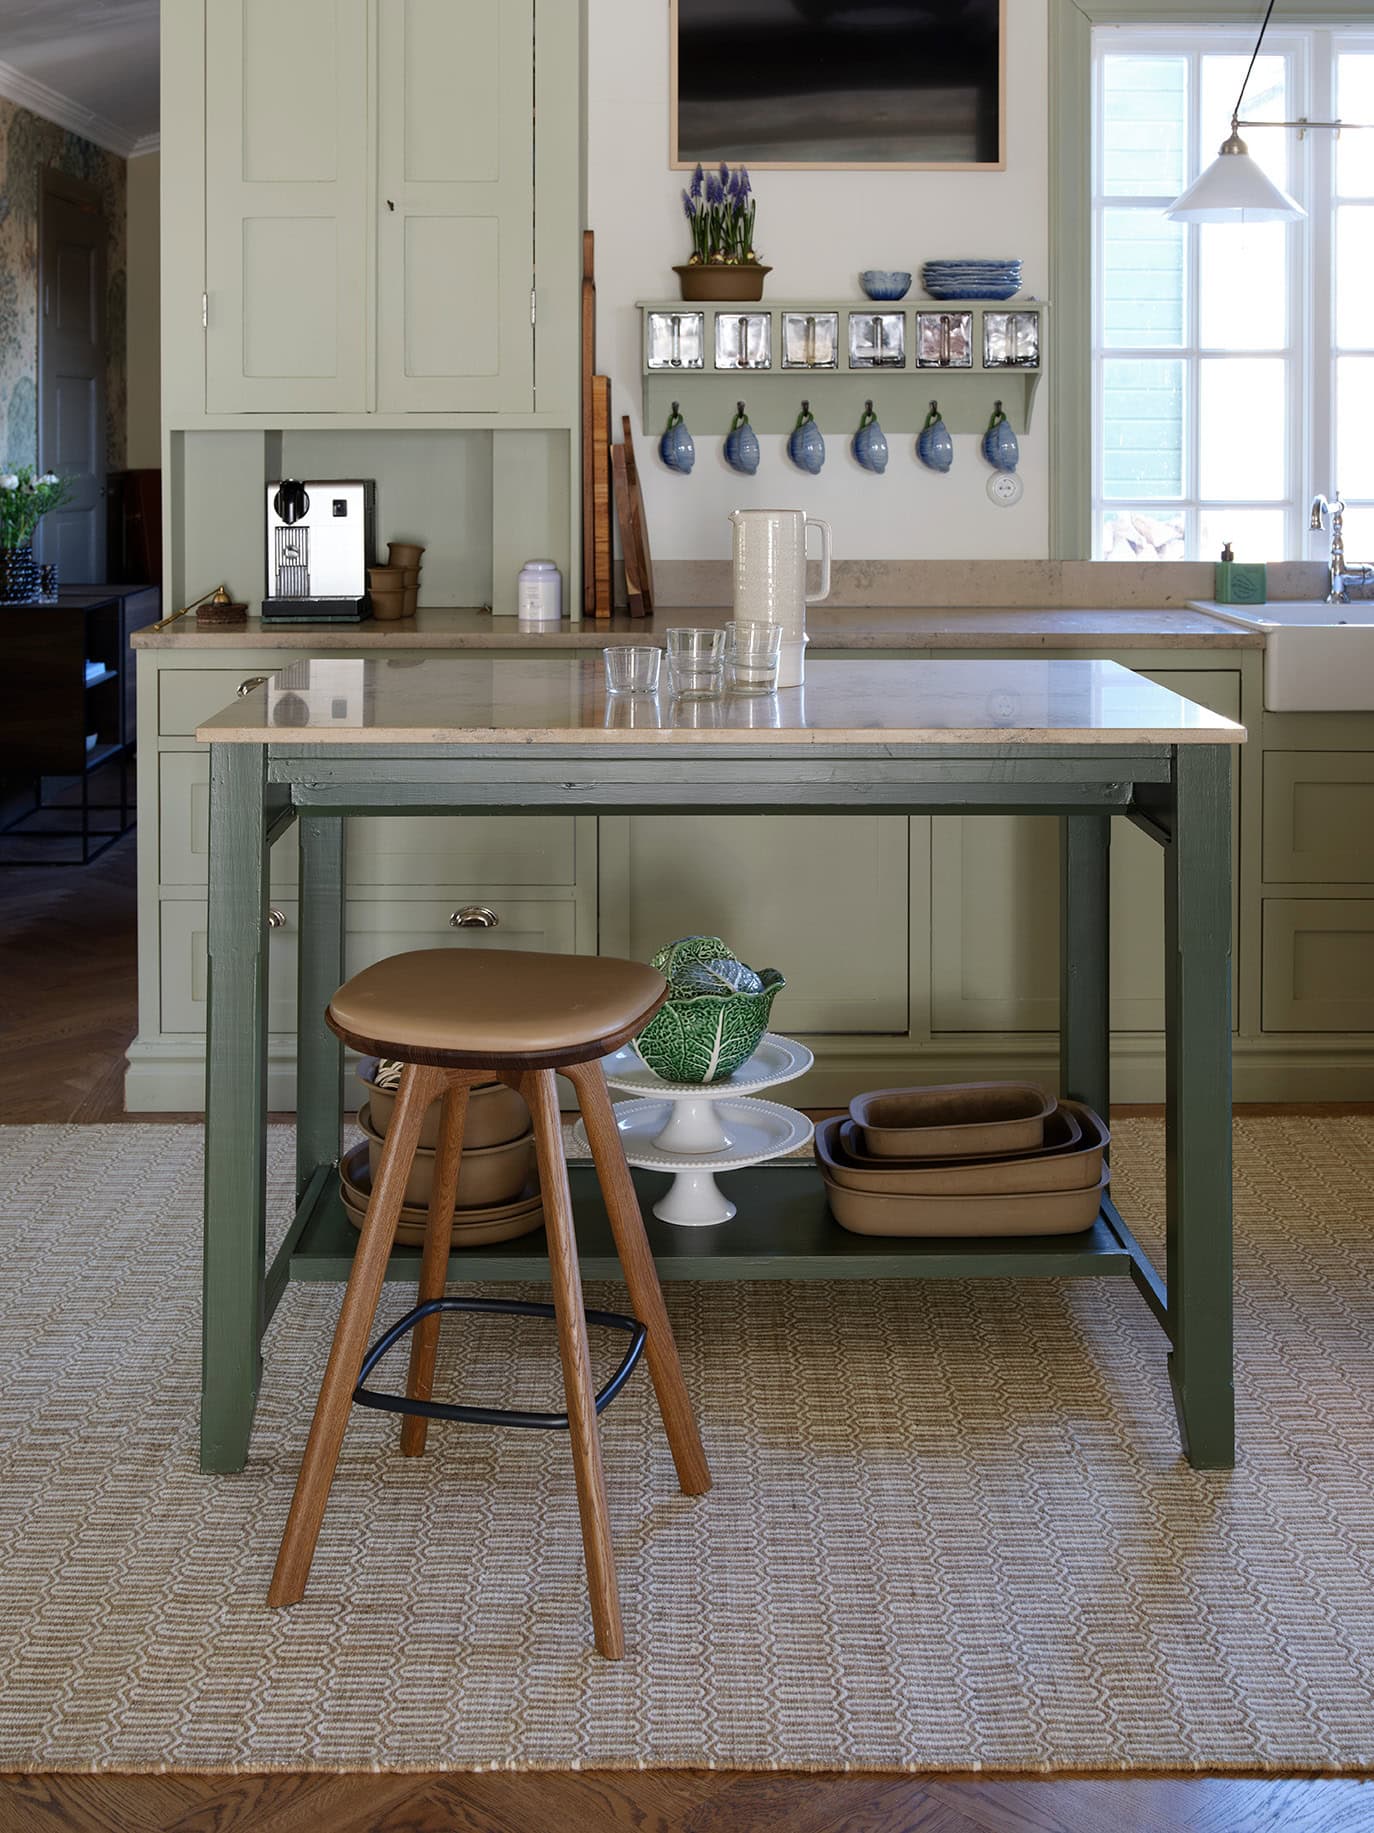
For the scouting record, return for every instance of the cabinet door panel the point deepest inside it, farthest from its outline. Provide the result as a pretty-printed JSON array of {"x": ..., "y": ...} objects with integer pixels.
[
  {"x": 286, "y": 206},
  {"x": 456, "y": 206},
  {"x": 824, "y": 899},
  {"x": 995, "y": 909},
  {"x": 1318, "y": 964},
  {"x": 1318, "y": 817}
]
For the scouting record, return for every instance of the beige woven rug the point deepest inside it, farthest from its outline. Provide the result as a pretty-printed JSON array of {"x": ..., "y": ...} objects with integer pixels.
[{"x": 950, "y": 1527}]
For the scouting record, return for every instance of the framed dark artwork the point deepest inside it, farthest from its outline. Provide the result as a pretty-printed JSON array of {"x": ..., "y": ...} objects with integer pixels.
[{"x": 839, "y": 84}]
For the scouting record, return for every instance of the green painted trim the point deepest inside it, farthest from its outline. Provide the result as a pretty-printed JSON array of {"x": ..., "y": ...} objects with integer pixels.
[{"x": 1070, "y": 150}]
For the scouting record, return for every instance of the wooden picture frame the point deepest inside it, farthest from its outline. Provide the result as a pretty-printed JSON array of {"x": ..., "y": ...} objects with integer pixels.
[{"x": 737, "y": 154}]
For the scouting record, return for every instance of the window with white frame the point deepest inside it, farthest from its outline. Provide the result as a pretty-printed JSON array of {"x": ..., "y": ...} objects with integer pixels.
[{"x": 1233, "y": 364}]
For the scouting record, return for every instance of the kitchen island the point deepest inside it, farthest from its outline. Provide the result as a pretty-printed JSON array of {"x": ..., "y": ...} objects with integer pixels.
[{"x": 1081, "y": 740}]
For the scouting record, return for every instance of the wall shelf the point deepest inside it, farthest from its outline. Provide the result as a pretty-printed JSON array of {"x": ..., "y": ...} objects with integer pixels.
[{"x": 901, "y": 390}]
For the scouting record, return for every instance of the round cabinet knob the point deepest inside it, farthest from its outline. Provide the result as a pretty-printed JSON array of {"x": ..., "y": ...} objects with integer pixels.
[
  {"x": 276, "y": 919},
  {"x": 246, "y": 687},
  {"x": 474, "y": 916}
]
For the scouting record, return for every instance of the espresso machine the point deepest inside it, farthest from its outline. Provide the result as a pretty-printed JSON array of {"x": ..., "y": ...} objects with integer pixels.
[{"x": 321, "y": 536}]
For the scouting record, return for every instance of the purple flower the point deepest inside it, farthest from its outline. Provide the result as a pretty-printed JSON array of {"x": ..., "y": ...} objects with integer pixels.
[
  {"x": 732, "y": 189},
  {"x": 689, "y": 209},
  {"x": 715, "y": 191},
  {"x": 698, "y": 179},
  {"x": 744, "y": 185},
  {"x": 724, "y": 175}
]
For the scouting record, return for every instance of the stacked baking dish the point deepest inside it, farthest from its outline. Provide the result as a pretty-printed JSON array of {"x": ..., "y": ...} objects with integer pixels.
[
  {"x": 498, "y": 1183},
  {"x": 982, "y": 1158}
]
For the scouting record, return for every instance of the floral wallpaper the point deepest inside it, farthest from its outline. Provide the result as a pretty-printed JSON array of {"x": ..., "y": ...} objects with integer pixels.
[{"x": 27, "y": 145}]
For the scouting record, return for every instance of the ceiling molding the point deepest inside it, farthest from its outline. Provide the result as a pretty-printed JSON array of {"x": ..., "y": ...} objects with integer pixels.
[
  {"x": 146, "y": 143},
  {"x": 39, "y": 99}
]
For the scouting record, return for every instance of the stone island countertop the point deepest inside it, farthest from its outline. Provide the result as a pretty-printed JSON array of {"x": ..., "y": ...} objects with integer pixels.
[
  {"x": 829, "y": 627},
  {"x": 561, "y": 701}
]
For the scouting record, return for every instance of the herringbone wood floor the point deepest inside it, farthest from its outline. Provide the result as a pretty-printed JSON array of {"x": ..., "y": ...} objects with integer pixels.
[{"x": 67, "y": 1010}]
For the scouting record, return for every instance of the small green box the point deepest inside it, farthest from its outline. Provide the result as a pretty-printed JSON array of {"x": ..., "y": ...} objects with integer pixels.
[{"x": 1241, "y": 582}]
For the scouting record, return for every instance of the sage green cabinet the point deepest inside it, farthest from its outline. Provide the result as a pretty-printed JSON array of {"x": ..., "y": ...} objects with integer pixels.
[
  {"x": 995, "y": 910},
  {"x": 287, "y": 261},
  {"x": 824, "y": 898},
  {"x": 374, "y": 929},
  {"x": 455, "y": 229},
  {"x": 1318, "y": 817},
  {"x": 1318, "y": 964}
]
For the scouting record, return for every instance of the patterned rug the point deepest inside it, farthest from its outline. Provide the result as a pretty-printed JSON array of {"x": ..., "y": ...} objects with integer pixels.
[{"x": 951, "y": 1528}]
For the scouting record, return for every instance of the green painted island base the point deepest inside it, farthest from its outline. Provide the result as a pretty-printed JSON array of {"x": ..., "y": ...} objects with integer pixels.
[{"x": 784, "y": 1230}]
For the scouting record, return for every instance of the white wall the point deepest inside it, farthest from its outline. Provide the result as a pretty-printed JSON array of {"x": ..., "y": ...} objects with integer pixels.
[
  {"x": 817, "y": 230},
  {"x": 144, "y": 340}
]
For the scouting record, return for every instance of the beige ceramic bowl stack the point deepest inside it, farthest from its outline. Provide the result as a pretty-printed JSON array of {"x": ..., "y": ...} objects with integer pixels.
[
  {"x": 980, "y": 1158},
  {"x": 498, "y": 1184},
  {"x": 407, "y": 556},
  {"x": 395, "y": 588}
]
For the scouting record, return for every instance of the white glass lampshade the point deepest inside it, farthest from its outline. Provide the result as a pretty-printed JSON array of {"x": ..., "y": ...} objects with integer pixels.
[{"x": 1234, "y": 189}]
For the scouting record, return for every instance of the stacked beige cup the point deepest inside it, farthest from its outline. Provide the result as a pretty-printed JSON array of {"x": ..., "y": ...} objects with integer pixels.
[{"x": 395, "y": 588}]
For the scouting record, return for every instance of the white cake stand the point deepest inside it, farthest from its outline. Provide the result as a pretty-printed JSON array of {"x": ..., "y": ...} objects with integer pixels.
[{"x": 695, "y": 1130}]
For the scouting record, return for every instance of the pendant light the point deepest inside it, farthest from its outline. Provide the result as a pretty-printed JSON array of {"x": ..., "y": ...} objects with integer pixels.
[{"x": 1234, "y": 189}]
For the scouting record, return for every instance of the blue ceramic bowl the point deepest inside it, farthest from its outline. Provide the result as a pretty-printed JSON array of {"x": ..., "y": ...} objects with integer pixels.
[{"x": 885, "y": 283}]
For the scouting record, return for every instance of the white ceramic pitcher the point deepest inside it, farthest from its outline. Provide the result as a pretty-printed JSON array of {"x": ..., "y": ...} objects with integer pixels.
[{"x": 769, "y": 565}]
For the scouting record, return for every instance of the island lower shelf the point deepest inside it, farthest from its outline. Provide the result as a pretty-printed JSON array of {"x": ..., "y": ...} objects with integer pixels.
[{"x": 784, "y": 1230}]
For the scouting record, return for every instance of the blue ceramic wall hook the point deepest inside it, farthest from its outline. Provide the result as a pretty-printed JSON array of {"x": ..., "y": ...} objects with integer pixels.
[
  {"x": 999, "y": 442},
  {"x": 675, "y": 448},
  {"x": 869, "y": 444},
  {"x": 806, "y": 446},
  {"x": 742, "y": 444},
  {"x": 934, "y": 447}
]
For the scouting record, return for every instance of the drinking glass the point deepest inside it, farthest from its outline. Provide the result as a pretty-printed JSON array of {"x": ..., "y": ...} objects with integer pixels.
[
  {"x": 696, "y": 662},
  {"x": 753, "y": 653},
  {"x": 632, "y": 668}
]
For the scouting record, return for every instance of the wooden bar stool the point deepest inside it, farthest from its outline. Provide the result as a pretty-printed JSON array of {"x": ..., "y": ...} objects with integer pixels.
[{"x": 455, "y": 1018}]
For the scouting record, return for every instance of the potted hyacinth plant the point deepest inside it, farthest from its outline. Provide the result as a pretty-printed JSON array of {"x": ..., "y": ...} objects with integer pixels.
[
  {"x": 720, "y": 209},
  {"x": 25, "y": 498}
]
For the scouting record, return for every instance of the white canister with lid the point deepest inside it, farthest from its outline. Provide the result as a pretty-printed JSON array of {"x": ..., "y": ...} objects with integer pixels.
[{"x": 539, "y": 592}]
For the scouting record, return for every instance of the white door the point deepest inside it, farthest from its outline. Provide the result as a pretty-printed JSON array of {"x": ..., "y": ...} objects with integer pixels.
[
  {"x": 286, "y": 162},
  {"x": 455, "y": 233}
]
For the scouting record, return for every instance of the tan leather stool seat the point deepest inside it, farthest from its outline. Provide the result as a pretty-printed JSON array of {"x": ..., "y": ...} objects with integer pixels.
[{"x": 461, "y": 1008}]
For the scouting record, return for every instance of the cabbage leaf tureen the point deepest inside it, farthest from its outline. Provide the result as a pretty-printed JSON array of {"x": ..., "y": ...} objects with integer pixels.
[{"x": 716, "y": 1012}]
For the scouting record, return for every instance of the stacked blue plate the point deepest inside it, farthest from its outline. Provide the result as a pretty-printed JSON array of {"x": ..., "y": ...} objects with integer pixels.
[{"x": 971, "y": 279}]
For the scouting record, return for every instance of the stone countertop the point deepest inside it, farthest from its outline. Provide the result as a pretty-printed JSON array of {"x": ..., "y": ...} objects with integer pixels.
[
  {"x": 561, "y": 702},
  {"x": 829, "y": 626}
]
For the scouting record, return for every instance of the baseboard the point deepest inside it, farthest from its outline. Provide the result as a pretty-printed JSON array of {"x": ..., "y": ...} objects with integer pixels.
[{"x": 167, "y": 1075}]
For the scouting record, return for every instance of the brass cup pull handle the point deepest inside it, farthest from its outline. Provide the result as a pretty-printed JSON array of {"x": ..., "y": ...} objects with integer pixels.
[
  {"x": 246, "y": 687},
  {"x": 474, "y": 916},
  {"x": 276, "y": 919}
]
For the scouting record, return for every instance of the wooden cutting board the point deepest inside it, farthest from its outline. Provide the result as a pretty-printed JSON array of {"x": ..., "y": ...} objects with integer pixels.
[
  {"x": 644, "y": 563},
  {"x": 588, "y": 432},
  {"x": 624, "y": 510},
  {"x": 603, "y": 601}
]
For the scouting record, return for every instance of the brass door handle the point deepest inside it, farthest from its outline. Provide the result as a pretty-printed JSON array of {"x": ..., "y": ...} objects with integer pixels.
[
  {"x": 276, "y": 919},
  {"x": 246, "y": 687}
]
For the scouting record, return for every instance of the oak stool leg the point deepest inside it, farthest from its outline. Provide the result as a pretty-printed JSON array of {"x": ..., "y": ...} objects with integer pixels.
[
  {"x": 541, "y": 1093},
  {"x": 419, "y": 1086},
  {"x": 641, "y": 1276},
  {"x": 424, "y": 1340}
]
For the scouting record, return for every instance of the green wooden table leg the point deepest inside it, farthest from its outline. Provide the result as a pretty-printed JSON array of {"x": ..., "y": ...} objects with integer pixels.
[
  {"x": 1085, "y": 1036},
  {"x": 1197, "y": 982},
  {"x": 319, "y": 973},
  {"x": 235, "y": 1107}
]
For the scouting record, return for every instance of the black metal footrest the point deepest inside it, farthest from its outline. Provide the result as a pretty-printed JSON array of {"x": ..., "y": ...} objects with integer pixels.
[{"x": 492, "y": 1416}]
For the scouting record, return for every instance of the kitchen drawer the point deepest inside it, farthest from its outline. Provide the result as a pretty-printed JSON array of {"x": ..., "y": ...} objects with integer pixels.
[
  {"x": 1318, "y": 964},
  {"x": 384, "y": 852},
  {"x": 187, "y": 697},
  {"x": 183, "y": 779},
  {"x": 374, "y": 928},
  {"x": 1318, "y": 817}
]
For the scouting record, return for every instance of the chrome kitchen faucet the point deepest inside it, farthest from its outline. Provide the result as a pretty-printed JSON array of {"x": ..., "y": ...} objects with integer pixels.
[{"x": 1340, "y": 577}]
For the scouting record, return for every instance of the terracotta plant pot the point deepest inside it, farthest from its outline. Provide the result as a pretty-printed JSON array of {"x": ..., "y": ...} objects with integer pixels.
[
  {"x": 386, "y": 578},
  {"x": 495, "y": 1113},
  {"x": 404, "y": 553},
  {"x": 487, "y": 1175},
  {"x": 387, "y": 607},
  {"x": 713, "y": 280}
]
